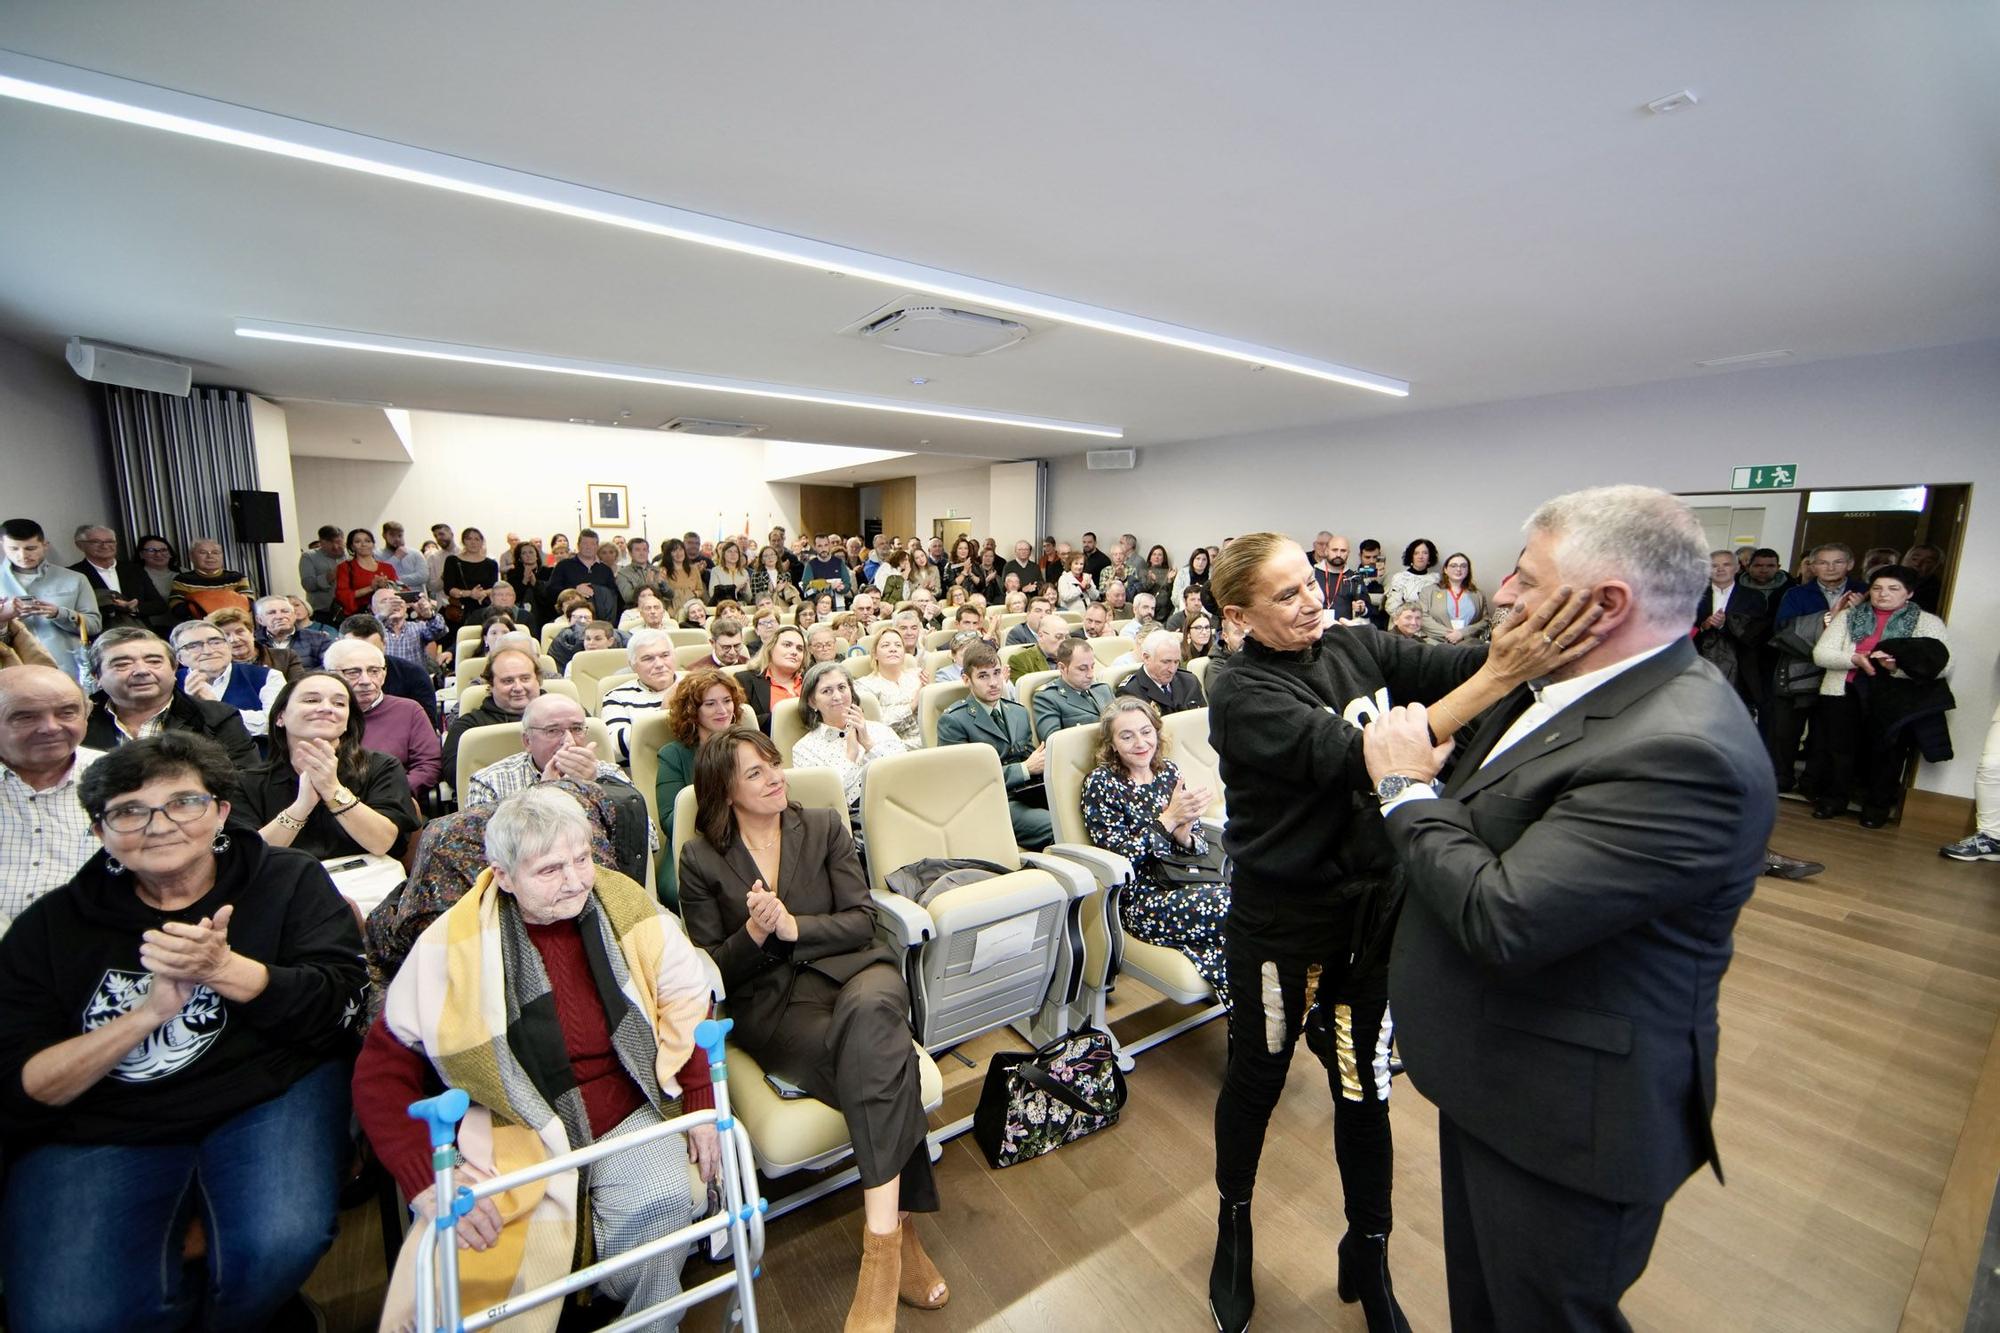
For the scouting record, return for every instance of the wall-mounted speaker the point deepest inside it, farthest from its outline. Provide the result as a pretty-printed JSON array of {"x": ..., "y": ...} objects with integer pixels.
[{"x": 256, "y": 517}]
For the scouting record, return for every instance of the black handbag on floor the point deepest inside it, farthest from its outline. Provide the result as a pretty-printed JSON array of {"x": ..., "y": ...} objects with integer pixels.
[
  {"x": 1035, "y": 1102},
  {"x": 1186, "y": 868}
]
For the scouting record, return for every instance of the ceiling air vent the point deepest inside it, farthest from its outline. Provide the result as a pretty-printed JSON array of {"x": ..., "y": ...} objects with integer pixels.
[
  {"x": 1110, "y": 460},
  {"x": 709, "y": 426},
  {"x": 937, "y": 330}
]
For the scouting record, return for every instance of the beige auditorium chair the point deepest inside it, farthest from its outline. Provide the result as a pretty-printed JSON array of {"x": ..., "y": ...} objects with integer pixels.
[
  {"x": 1001, "y": 951},
  {"x": 932, "y": 700},
  {"x": 938, "y": 638},
  {"x": 937, "y": 660},
  {"x": 1117, "y": 627},
  {"x": 1073, "y": 617},
  {"x": 1198, "y": 668},
  {"x": 473, "y": 697},
  {"x": 687, "y": 654},
  {"x": 589, "y": 667},
  {"x": 550, "y": 630},
  {"x": 1188, "y": 746},
  {"x": 799, "y": 1133},
  {"x": 481, "y": 746},
  {"x": 651, "y": 734},
  {"x": 1007, "y": 621},
  {"x": 467, "y": 641},
  {"x": 788, "y": 728},
  {"x": 684, "y": 638},
  {"x": 1114, "y": 676},
  {"x": 468, "y": 672},
  {"x": 1111, "y": 647},
  {"x": 1025, "y": 687},
  {"x": 1108, "y": 951},
  {"x": 606, "y": 684},
  {"x": 858, "y": 666}
]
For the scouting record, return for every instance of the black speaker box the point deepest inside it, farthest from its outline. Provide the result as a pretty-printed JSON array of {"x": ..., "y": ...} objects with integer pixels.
[{"x": 256, "y": 517}]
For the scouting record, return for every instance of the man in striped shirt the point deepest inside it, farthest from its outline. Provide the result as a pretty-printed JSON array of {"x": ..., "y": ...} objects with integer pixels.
[
  {"x": 45, "y": 834},
  {"x": 651, "y": 653},
  {"x": 402, "y": 636}
]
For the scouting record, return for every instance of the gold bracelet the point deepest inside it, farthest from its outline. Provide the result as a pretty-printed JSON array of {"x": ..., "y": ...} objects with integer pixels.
[{"x": 285, "y": 821}]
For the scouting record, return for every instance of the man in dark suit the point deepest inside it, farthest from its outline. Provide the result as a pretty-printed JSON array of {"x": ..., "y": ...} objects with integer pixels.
[
  {"x": 1571, "y": 896},
  {"x": 1160, "y": 681},
  {"x": 988, "y": 717},
  {"x": 125, "y": 596}
]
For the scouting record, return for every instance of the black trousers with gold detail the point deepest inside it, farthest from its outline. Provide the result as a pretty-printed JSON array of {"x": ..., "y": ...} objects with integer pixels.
[{"x": 1285, "y": 975}]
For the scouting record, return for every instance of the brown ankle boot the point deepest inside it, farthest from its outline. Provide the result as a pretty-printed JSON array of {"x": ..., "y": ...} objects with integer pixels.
[
  {"x": 920, "y": 1275},
  {"x": 874, "y": 1308}
]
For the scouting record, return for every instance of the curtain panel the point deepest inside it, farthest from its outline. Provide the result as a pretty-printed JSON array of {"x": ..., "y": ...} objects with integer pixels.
[{"x": 174, "y": 462}]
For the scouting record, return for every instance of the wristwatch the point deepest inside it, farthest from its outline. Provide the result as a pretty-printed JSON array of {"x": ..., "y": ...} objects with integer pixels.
[
  {"x": 343, "y": 801},
  {"x": 1389, "y": 788}
]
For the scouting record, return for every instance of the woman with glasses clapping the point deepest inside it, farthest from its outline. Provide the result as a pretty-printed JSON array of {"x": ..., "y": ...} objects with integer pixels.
[{"x": 176, "y": 1028}]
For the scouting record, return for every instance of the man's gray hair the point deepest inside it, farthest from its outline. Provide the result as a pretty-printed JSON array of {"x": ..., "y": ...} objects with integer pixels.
[
  {"x": 1841, "y": 547},
  {"x": 182, "y": 631},
  {"x": 642, "y": 639},
  {"x": 809, "y": 713},
  {"x": 1158, "y": 639},
  {"x": 359, "y": 652},
  {"x": 111, "y": 638},
  {"x": 1645, "y": 538},
  {"x": 271, "y": 599},
  {"x": 85, "y": 529},
  {"x": 531, "y": 824}
]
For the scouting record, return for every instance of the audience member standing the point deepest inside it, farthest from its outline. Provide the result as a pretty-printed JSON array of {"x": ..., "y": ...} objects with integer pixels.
[
  {"x": 468, "y": 578},
  {"x": 159, "y": 563},
  {"x": 1803, "y": 615},
  {"x": 357, "y": 578},
  {"x": 57, "y": 605},
  {"x": 534, "y": 600},
  {"x": 1454, "y": 608},
  {"x": 317, "y": 564},
  {"x": 125, "y": 596},
  {"x": 584, "y": 570},
  {"x": 1419, "y": 572}
]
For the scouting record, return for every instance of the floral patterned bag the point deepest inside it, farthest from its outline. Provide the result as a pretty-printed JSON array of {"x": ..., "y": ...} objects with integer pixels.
[{"x": 1035, "y": 1103}]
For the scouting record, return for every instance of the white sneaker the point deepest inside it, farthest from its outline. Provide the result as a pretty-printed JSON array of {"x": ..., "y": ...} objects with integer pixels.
[{"x": 1978, "y": 847}]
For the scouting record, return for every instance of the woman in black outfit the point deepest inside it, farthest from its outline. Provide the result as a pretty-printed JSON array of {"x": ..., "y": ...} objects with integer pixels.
[
  {"x": 1312, "y": 903},
  {"x": 534, "y": 602},
  {"x": 322, "y": 792},
  {"x": 468, "y": 577}
]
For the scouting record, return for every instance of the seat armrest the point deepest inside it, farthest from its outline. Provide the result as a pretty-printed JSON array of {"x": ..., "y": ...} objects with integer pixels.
[
  {"x": 1078, "y": 879},
  {"x": 902, "y": 921},
  {"x": 1211, "y": 826},
  {"x": 1107, "y": 867},
  {"x": 985, "y": 901}
]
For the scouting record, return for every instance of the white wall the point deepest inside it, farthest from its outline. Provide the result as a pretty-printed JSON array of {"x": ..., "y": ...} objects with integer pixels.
[
  {"x": 274, "y": 473},
  {"x": 502, "y": 475},
  {"x": 1466, "y": 478},
  {"x": 964, "y": 494},
  {"x": 1012, "y": 500},
  {"x": 56, "y": 468}
]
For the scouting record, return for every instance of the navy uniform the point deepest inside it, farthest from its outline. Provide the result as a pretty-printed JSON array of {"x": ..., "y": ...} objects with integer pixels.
[{"x": 1011, "y": 734}]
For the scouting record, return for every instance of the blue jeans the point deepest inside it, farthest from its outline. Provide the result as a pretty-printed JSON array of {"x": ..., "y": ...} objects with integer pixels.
[{"x": 92, "y": 1234}]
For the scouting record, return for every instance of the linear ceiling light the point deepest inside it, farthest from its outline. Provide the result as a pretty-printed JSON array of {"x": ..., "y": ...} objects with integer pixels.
[
  {"x": 69, "y": 88},
  {"x": 670, "y": 379}
]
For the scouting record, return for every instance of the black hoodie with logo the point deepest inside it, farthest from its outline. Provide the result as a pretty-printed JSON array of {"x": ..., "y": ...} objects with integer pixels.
[
  {"x": 70, "y": 963},
  {"x": 1304, "y": 825}
]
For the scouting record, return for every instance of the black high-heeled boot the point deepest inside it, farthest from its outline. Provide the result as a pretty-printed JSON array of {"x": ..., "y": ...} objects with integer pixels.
[
  {"x": 1364, "y": 1277},
  {"x": 1230, "y": 1298}
]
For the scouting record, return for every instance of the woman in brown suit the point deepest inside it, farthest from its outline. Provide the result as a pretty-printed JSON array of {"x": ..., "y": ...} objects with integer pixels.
[{"x": 816, "y": 999}]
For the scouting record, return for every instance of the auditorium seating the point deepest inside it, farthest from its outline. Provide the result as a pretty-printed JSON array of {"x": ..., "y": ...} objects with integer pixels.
[
  {"x": 481, "y": 746},
  {"x": 788, "y": 728},
  {"x": 474, "y": 696}
]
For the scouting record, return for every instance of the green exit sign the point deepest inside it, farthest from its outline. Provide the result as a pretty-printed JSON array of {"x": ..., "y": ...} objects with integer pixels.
[{"x": 1765, "y": 477}]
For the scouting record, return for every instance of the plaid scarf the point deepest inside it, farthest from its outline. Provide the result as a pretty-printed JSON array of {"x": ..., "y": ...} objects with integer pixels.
[{"x": 474, "y": 997}]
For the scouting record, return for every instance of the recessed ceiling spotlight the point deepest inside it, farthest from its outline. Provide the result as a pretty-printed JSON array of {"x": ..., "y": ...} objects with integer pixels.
[
  {"x": 427, "y": 350},
  {"x": 919, "y": 380},
  {"x": 1746, "y": 359},
  {"x": 1672, "y": 102},
  {"x": 89, "y": 92}
]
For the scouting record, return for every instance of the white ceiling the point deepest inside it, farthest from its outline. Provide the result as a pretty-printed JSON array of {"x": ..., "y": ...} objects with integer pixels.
[{"x": 1465, "y": 195}]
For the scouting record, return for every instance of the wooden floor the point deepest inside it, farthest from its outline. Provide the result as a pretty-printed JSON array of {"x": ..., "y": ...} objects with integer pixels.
[{"x": 1858, "y": 1029}]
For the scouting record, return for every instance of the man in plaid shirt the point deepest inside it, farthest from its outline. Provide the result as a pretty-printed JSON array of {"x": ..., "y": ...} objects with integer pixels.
[{"x": 404, "y": 636}]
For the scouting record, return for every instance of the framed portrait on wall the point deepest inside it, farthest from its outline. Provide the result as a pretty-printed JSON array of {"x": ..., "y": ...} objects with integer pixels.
[{"x": 606, "y": 507}]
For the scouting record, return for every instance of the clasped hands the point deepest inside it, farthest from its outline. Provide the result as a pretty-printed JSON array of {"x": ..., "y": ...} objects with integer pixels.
[
  {"x": 182, "y": 956},
  {"x": 769, "y": 916},
  {"x": 578, "y": 763},
  {"x": 316, "y": 761}
]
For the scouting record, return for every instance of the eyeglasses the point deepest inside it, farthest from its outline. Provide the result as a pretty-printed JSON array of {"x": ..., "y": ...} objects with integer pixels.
[
  {"x": 198, "y": 645},
  {"x": 562, "y": 729},
  {"x": 153, "y": 550},
  {"x": 362, "y": 673},
  {"x": 184, "y": 809}
]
